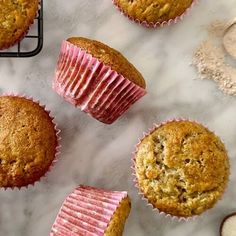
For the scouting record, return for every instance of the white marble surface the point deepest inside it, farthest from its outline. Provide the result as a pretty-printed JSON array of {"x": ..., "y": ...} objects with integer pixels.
[{"x": 97, "y": 154}]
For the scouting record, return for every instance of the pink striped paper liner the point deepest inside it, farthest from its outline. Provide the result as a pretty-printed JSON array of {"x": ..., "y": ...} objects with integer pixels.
[
  {"x": 57, "y": 132},
  {"x": 86, "y": 211},
  {"x": 92, "y": 86},
  {"x": 24, "y": 33},
  {"x": 135, "y": 180},
  {"x": 157, "y": 24}
]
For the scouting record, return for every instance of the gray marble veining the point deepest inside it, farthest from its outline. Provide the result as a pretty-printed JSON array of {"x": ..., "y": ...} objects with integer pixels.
[{"x": 100, "y": 155}]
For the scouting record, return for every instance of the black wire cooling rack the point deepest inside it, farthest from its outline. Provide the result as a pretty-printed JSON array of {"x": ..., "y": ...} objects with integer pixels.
[{"x": 32, "y": 43}]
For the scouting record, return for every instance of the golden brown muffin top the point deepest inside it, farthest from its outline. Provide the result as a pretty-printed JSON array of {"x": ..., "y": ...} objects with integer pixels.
[
  {"x": 15, "y": 18},
  {"x": 154, "y": 11},
  {"x": 110, "y": 57},
  {"x": 117, "y": 223},
  {"x": 27, "y": 141},
  {"x": 182, "y": 168}
]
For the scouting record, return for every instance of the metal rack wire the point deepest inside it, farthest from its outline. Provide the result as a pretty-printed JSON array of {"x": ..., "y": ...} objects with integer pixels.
[{"x": 17, "y": 51}]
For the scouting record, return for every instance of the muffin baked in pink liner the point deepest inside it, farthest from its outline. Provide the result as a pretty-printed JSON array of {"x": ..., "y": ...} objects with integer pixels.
[
  {"x": 156, "y": 25},
  {"x": 136, "y": 184},
  {"x": 92, "y": 86},
  {"x": 86, "y": 211},
  {"x": 57, "y": 132}
]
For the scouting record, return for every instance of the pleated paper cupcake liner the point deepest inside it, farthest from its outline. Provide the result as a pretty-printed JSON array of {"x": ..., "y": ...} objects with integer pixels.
[
  {"x": 92, "y": 86},
  {"x": 57, "y": 132},
  {"x": 87, "y": 211},
  {"x": 25, "y": 32},
  {"x": 135, "y": 180},
  {"x": 157, "y": 24}
]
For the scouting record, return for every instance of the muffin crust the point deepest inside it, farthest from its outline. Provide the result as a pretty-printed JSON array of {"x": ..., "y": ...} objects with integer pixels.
[
  {"x": 117, "y": 223},
  {"x": 153, "y": 11},
  {"x": 15, "y": 18},
  {"x": 27, "y": 141},
  {"x": 110, "y": 57},
  {"x": 182, "y": 168}
]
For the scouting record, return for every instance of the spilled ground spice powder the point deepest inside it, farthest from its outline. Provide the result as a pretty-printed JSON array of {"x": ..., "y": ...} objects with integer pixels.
[{"x": 210, "y": 58}]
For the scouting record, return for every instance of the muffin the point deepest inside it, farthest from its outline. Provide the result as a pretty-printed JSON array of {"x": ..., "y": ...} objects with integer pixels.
[
  {"x": 90, "y": 211},
  {"x": 153, "y": 13},
  {"x": 97, "y": 79},
  {"x": 15, "y": 20},
  {"x": 28, "y": 141},
  {"x": 181, "y": 168}
]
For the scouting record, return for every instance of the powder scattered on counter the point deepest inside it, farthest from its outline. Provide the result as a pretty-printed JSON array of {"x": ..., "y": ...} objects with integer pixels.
[
  {"x": 217, "y": 28},
  {"x": 210, "y": 59}
]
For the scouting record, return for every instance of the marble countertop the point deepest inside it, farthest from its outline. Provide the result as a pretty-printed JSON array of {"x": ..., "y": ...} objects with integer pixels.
[{"x": 100, "y": 155}]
